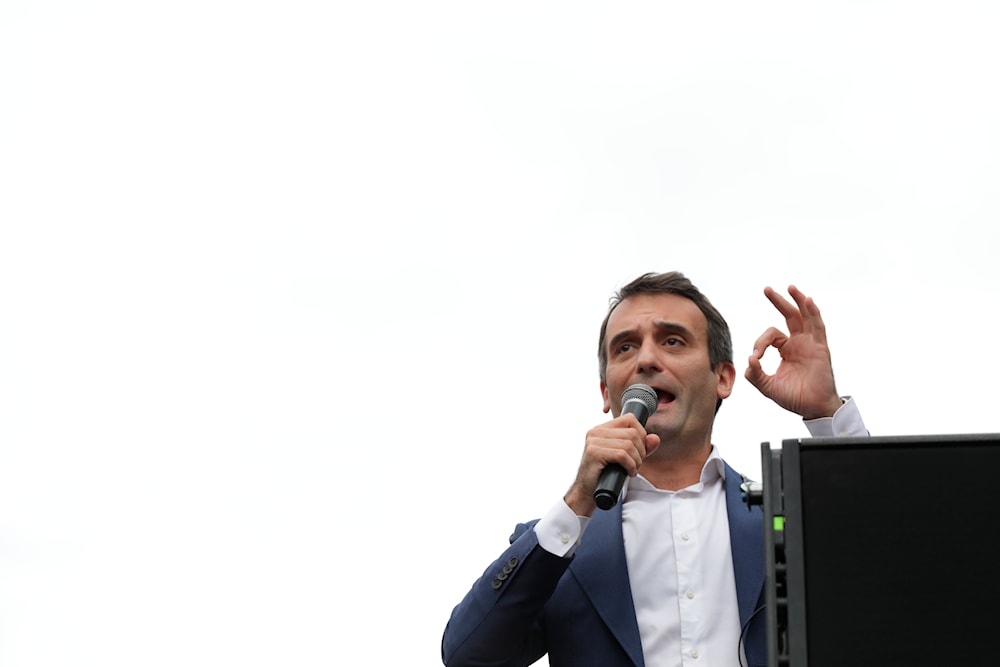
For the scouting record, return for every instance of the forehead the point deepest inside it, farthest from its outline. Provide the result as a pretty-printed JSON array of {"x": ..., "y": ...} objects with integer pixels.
[{"x": 642, "y": 310}]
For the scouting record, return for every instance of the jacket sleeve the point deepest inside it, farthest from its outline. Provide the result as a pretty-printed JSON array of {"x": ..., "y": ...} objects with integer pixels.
[{"x": 500, "y": 622}]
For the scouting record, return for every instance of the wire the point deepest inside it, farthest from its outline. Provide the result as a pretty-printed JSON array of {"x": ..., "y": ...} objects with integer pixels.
[{"x": 739, "y": 645}]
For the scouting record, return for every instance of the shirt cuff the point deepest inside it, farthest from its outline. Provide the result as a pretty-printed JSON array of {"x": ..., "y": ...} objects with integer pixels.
[
  {"x": 846, "y": 421},
  {"x": 560, "y": 530}
]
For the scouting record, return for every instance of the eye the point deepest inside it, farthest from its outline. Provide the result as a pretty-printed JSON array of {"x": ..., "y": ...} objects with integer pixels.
[{"x": 673, "y": 341}]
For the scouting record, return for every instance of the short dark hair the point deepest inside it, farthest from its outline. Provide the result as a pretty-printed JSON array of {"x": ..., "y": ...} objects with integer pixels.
[{"x": 720, "y": 342}]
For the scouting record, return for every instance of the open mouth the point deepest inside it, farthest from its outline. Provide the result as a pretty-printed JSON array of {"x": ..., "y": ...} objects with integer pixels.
[{"x": 664, "y": 397}]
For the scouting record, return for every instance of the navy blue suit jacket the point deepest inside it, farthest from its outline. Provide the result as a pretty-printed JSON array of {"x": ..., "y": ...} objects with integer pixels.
[{"x": 579, "y": 610}]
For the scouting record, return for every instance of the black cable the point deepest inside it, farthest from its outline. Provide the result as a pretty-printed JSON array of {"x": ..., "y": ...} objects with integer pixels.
[{"x": 739, "y": 644}]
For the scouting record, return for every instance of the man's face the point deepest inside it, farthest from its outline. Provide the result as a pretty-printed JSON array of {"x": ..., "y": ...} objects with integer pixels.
[{"x": 662, "y": 340}]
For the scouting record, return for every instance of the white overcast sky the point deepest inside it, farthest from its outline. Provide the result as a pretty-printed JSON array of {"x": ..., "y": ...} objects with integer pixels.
[{"x": 299, "y": 301}]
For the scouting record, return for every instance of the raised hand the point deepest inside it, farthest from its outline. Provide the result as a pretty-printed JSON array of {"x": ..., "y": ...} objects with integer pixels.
[{"x": 803, "y": 382}]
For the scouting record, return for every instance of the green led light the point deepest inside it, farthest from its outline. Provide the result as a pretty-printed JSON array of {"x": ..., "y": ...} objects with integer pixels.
[{"x": 779, "y": 523}]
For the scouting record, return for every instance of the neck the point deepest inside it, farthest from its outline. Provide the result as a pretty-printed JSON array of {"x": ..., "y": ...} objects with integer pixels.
[{"x": 672, "y": 468}]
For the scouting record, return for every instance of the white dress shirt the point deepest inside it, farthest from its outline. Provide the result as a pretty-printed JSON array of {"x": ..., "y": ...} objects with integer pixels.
[
  {"x": 680, "y": 568},
  {"x": 679, "y": 558}
]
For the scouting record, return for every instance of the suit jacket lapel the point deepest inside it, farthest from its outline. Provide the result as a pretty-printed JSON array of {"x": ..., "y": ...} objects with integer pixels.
[
  {"x": 601, "y": 570},
  {"x": 746, "y": 536}
]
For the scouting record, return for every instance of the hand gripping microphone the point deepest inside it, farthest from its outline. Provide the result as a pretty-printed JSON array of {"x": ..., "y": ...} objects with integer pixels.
[{"x": 639, "y": 400}]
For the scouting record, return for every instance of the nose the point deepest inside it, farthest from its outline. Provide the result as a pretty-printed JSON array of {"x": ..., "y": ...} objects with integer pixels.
[{"x": 648, "y": 359}]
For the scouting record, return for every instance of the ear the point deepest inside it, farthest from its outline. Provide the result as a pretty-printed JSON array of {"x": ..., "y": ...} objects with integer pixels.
[
  {"x": 605, "y": 394},
  {"x": 726, "y": 373}
]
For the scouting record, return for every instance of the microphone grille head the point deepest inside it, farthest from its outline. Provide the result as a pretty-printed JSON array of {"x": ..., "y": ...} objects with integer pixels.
[{"x": 641, "y": 392}]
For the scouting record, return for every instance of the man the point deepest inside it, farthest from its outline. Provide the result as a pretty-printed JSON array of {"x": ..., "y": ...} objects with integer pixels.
[{"x": 674, "y": 573}]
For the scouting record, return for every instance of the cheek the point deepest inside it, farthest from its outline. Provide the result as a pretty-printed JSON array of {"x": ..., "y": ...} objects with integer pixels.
[
  {"x": 708, "y": 384},
  {"x": 613, "y": 394}
]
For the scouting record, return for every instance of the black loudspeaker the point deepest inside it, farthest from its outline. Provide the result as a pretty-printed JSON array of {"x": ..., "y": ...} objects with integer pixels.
[{"x": 882, "y": 551}]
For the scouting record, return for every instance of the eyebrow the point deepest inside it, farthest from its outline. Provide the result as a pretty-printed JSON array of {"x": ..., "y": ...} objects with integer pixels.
[{"x": 662, "y": 326}]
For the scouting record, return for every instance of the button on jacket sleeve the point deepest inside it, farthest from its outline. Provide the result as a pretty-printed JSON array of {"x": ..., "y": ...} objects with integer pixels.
[{"x": 496, "y": 622}]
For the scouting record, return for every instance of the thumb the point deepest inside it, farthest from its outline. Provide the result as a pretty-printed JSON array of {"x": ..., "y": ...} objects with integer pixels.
[
  {"x": 755, "y": 372},
  {"x": 652, "y": 443}
]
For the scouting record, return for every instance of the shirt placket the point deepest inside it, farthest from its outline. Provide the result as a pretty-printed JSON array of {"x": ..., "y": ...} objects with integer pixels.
[{"x": 689, "y": 585}]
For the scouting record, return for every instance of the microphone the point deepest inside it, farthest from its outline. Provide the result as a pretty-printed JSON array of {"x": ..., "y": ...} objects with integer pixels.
[{"x": 639, "y": 400}]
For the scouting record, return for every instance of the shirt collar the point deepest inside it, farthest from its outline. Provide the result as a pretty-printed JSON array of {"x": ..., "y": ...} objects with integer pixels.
[{"x": 714, "y": 468}]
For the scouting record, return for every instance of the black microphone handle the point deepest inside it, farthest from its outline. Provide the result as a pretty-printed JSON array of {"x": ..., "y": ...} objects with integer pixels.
[{"x": 609, "y": 486}]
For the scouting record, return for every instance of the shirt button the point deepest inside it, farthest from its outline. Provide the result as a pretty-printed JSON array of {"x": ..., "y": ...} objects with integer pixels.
[
  {"x": 690, "y": 596},
  {"x": 694, "y": 653},
  {"x": 564, "y": 538},
  {"x": 685, "y": 537}
]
